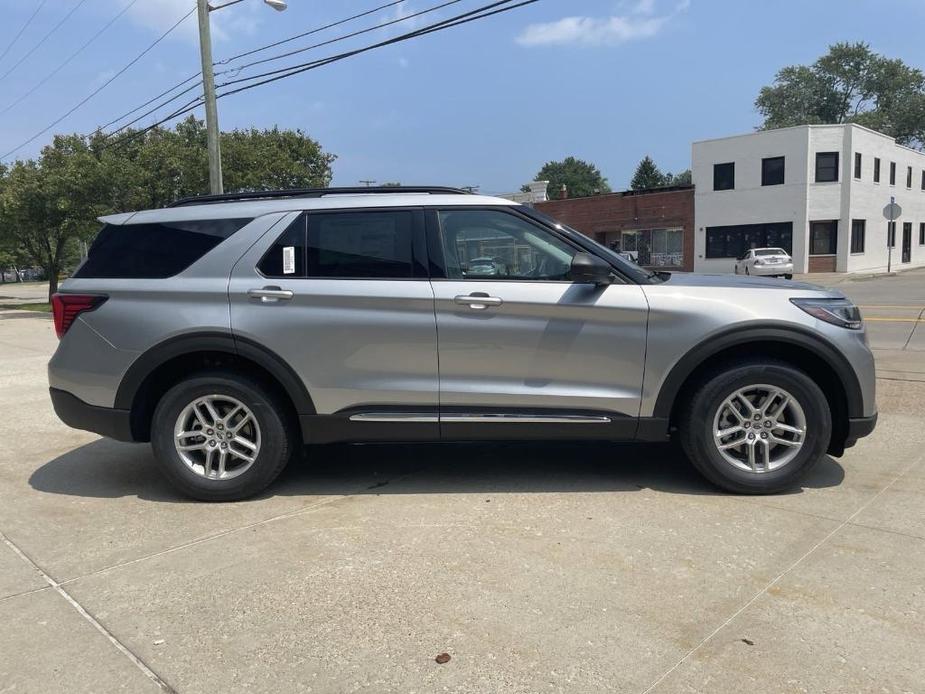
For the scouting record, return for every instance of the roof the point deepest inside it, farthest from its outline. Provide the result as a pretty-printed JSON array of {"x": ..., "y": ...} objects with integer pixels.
[{"x": 252, "y": 208}]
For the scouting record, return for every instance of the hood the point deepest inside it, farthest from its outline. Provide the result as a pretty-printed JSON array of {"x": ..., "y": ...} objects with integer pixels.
[{"x": 693, "y": 279}]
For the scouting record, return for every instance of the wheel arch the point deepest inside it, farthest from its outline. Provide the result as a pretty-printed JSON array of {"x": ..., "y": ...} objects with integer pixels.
[
  {"x": 152, "y": 374},
  {"x": 804, "y": 349}
]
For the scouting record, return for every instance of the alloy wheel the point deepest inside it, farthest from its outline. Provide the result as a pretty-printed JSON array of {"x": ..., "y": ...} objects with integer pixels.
[{"x": 217, "y": 437}]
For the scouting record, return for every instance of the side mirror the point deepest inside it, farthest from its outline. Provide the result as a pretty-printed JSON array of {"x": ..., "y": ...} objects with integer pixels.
[{"x": 589, "y": 269}]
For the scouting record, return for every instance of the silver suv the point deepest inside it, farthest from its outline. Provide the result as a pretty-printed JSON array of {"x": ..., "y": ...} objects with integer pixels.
[{"x": 229, "y": 331}]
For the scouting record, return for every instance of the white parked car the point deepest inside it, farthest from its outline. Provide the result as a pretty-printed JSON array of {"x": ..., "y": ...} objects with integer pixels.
[{"x": 767, "y": 262}]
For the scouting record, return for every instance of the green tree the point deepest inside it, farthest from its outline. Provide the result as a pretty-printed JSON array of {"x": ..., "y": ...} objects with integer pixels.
[
  {"x": 849, "y": 84},
  {"x": 647, "y": 175},
  {"x": 580, "y": 178},
  {"x": 685, "y": 178}
]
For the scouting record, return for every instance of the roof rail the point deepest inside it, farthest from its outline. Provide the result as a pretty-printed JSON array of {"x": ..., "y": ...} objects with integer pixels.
[{"x": 312, "y": 193}]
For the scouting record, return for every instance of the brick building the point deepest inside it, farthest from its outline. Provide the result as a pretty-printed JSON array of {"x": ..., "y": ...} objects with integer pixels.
[{"x": 655, "y": 226}]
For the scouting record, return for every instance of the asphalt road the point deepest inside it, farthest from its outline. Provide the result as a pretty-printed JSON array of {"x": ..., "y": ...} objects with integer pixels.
[{"x": 565, "y": 568}]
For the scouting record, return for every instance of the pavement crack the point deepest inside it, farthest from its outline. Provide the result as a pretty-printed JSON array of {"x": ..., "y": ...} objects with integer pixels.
[
  {"x": 94, "y": 622},
  {"x": 914, "y": 326}
]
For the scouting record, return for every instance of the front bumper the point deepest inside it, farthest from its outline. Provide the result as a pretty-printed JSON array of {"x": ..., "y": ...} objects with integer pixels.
[
  {"x": 859, "y": 427},
  {"x": 105, "y": 421}
]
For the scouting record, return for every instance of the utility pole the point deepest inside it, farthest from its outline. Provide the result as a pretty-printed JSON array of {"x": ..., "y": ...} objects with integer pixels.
[
  {"x": 208, "y": 88},
  {"x": 216, "y": 187}
]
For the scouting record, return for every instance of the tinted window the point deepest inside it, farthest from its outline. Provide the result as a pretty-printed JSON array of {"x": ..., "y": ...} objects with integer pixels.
[
  {"x": 361, "y": 244},
  {"x": 154, "y": 251},
  {"x": 826, "y": 167},
  {"x": 487, "y": 244},
  {"x": 736, "y": 240},
  {"x": 858, "y": 231},
  {"x": 286, "y": 257},
  {"x": 823, "y": 238},
  {"x": 772, "y": 171},
  {"x": 724, "y": 176}
]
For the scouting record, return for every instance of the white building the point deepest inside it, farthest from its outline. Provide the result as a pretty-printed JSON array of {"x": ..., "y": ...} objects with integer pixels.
[
  {"x": 536, "y": 192},
  {"x": 816, "y": 190}
]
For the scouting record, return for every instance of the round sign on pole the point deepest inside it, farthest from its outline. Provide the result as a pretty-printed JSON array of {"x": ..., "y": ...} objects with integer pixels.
[{"x": 892, "y": 211}]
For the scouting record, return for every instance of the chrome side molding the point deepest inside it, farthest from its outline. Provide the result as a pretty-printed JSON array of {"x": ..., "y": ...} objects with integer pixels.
[{"x": 487, "y": 418}]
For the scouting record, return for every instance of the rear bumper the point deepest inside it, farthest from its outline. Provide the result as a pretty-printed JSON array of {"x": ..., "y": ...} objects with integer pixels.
[
  {"x": 772, "y": 270},
  {"x": 105, "y": 421}
]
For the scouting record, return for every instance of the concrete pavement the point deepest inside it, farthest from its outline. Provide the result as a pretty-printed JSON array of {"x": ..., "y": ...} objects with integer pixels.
[{"x": 571, "y": 568}]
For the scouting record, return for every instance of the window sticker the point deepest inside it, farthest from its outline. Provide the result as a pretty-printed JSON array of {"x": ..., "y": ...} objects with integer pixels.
[{"x": 288, "y": 260}]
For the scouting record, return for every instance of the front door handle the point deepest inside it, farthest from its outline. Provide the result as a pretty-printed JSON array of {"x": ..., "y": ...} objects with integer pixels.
[
  {"x": 477, "y": 300},
  {"x": 269, "y": 295}
]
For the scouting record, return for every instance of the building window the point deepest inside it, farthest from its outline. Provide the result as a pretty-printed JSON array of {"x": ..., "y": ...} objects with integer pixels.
[
  {"x": 923, "y": 179},
  {"x": 922, "y": 233},
  {"x": 892, "y": 173},
  {"x": 724, "y": 176},
  {"x": 891, "y": 234},
  {"x": 772, "y": 171},
  {"x": 858, "y": 230},
  {"x": 653, "y": 247},
  {"x": 877, "y": 170},
  {"x": 823, "y": 237},
  {"x": 909, "y": 177},
  {"x": 826, "y": 167},
  {"x": 734, "y": 241},
  {"x": 857, "y": 164}
]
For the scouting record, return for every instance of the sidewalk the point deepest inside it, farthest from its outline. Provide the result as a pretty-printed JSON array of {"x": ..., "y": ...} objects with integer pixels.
[{"x": 832, "y": 278}]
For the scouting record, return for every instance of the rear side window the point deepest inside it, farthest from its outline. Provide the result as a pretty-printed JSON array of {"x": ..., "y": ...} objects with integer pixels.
[{"x": 154, "y": 251}]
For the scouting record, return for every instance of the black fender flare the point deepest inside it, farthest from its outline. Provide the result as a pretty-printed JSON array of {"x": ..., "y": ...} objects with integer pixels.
[
  {"x": 216, "y": 341},
  {"x": 760, "y": 333}
]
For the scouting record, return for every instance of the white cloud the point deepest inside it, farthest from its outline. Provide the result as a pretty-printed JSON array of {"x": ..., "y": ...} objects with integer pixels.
[
  {"x": 160, "y": 15},
  {"x": 639, "y": 23}
]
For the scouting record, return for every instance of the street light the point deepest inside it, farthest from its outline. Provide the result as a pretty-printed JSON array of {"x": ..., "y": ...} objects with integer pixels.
[{"x": 208, "y": 87}]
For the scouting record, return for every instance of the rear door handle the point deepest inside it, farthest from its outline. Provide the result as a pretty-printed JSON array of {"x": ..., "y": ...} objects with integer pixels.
[
  {"x": 269, "y": 295},
  {"x": 477, "y": 300}
]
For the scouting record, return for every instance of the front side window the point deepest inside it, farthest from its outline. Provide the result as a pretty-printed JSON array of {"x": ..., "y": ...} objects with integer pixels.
[
  {"x": 826, "y": 167},
  {"x": 724, "y": 176},
  {"x": 154, "y": 251},
  {"x": 494, "y": 245},
  {"x": 772, "y": 171},
  {"x": 858, "y": 231},
  {"x": 823, "y": 238}
]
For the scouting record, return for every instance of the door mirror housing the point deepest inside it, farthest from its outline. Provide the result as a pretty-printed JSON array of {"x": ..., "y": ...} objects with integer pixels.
[{"x": 589, "y": 269}]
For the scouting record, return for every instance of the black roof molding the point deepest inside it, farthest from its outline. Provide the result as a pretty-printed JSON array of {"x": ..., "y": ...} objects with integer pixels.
[{"x": 313, "y": 193}]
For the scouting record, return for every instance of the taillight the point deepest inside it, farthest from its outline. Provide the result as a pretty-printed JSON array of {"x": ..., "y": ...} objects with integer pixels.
[{"x": 66, "y": 307}]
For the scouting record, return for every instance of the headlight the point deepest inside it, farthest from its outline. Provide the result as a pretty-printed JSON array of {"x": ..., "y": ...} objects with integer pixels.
[{"x": 840, "y": 312}]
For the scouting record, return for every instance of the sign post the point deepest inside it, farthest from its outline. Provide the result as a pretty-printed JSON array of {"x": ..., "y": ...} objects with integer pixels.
[{"x": 892, "y": 212}]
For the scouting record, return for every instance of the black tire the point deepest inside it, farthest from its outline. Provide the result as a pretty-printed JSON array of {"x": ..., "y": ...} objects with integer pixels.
[
  {"x": 788, "y": 277},
  {"x": 696, "y": 426},
  {"x": 277, "y": 437}
]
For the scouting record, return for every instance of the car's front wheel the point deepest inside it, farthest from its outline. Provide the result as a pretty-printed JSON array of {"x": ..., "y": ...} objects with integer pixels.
[
  {"x": 757, "y": 427},
  {"x": 220, "y": 436}
]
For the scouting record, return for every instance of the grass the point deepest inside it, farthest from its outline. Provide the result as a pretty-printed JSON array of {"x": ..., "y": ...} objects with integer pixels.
[{"x": 39, "y": 307}]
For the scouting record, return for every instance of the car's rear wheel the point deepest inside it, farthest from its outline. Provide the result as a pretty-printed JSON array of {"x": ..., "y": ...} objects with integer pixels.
[
  {"x": 219, "y": 436},
  {"x": 788, "y": 277},
  {"x": 756, "y": 428}
]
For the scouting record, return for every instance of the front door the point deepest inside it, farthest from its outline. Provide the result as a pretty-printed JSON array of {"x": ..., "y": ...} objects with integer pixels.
[
  {"x": 519, "y": 342},
  {"x": 344, "y": 299},
  {"x": 907, "y": 242}
]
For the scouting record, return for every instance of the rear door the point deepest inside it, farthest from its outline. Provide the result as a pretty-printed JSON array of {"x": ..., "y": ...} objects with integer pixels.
[
  {"x": 519, "y": 342},
  {"x": 343, "y": 297}
]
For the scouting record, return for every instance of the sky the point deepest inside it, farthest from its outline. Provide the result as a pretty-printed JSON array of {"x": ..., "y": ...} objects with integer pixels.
[{"x": 485, "y": 104}]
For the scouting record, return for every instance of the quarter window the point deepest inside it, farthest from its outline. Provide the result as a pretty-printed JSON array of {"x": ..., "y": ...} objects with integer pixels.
[
  {"x": 154, "y": 251},
  {"x": 724, "y": 176},
  {"x": 772, "y": 171},
  {"x": 858, "y": 231},
  {"x": 493, "y": 245},
  {"x": 823, "y": 238},
  {"x": 826, "y": 167},
  {"x": 286, "y": 257}
]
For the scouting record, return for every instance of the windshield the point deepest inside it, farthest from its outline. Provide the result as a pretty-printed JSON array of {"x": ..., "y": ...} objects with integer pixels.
[
  {"x": 770, "y": 251},
  {"x": 628, "y": 268}
]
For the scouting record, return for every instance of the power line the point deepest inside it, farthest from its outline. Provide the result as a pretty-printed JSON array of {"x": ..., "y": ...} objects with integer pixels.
[
  {"x": 102, "y": 86},
  {"x": 44, "y": 38},
  {"x": 458, "y": 20},
  {"x": 23, "y": 29},
  {"x": 71, "y": 57},
  {"x": 241, "y": 55},
  {"x": 310, "y": 32}
]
